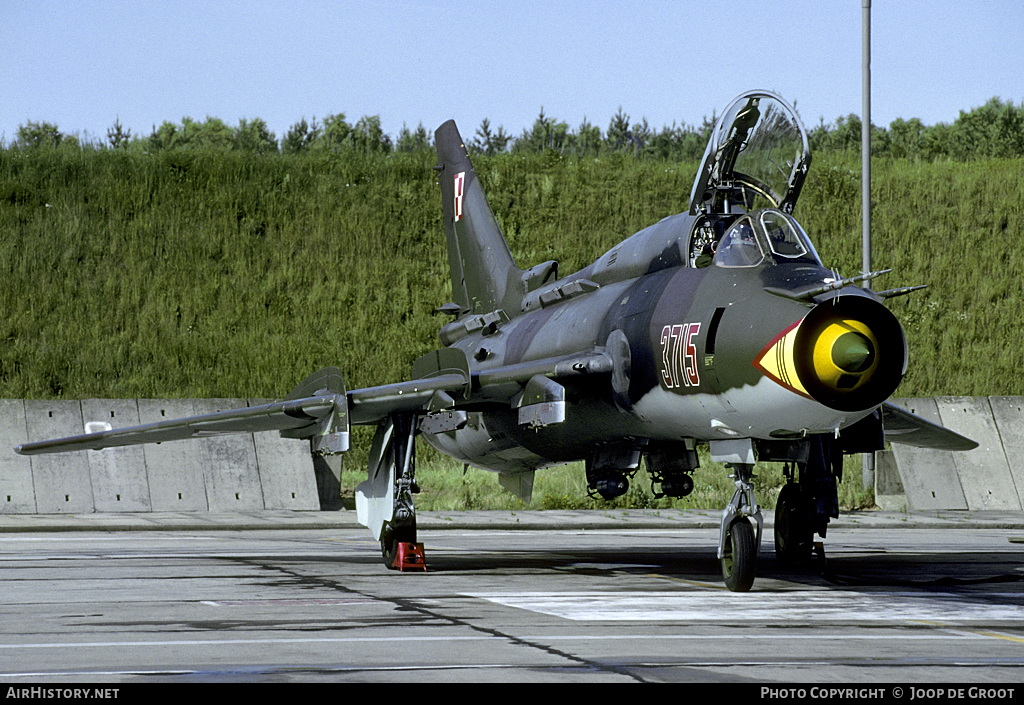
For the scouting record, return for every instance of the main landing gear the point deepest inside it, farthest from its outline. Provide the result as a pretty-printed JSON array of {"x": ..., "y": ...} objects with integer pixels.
[
  {"x": 398, "y": 544},
  {"x": 805, "y": 507},
  {"x": 794, "y": 537},
  {"x": 384, "y": 502}
]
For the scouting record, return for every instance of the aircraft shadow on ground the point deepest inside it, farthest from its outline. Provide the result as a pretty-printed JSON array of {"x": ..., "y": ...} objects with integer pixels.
[{"x": 929, "y": 571}]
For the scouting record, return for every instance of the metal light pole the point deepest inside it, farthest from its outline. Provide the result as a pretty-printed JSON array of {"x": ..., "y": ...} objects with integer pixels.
[
  {"x": 865, "y": 135},
  {"x": 868, "y": 469}
]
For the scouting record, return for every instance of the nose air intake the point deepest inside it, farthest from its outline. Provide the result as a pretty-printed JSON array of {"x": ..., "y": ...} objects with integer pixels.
[{"x": 848, "y": 353}]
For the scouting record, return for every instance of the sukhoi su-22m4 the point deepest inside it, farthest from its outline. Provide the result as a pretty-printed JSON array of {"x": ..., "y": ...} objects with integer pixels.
[{"x": 716, "y": 326}]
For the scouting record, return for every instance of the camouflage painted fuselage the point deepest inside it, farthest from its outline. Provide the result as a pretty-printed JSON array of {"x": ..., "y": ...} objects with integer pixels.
[{"x": 684, "y": 343}]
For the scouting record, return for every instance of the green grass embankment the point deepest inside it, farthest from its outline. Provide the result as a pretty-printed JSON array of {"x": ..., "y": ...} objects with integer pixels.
[{"x": 220, "y": 274}]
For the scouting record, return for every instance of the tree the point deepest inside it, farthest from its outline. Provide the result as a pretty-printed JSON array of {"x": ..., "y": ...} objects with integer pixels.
[
  {"x": 488, "y": 142},
  {"x": 935, "y": 141},
  {"x": 843, "y": 136},
  {"x": 117, "y": 136},
  {"x": 254, "y": 136},
  {"x": 996, "y": 129},
  {"x": 336, "y": 133},
  {"x": 546, "y": 133},
  {"x": 906, "y": 138},
  {"x": 163, "y": 137},
  {"x": 640, "y": 136},
  {"x": 587, "y": 139},
  {"x": 368, "y": 136},
  {"x": 675, "y": 143},
  {"x": 35, "y": 135},
  {"x": 300, "y": 137},
  {"x": 618, "y": 135},
  {"x": 412, "y": 141},
  {"x": 212, "y": 133}
]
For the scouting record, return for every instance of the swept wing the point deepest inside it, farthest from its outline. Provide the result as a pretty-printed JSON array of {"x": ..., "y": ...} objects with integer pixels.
[
  {"x": 321, "y": 409},
  {"x": 909, "y": 429}
]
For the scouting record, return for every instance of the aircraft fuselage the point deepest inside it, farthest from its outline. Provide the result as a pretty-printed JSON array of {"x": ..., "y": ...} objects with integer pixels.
[{"x": 689, "y": 338}]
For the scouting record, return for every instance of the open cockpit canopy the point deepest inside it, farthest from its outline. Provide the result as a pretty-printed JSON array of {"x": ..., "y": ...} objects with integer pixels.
[{"x": 757, "y": 157}]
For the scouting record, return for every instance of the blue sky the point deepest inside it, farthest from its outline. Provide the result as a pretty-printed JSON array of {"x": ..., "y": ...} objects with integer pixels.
[{"x": 82, "y": 65}]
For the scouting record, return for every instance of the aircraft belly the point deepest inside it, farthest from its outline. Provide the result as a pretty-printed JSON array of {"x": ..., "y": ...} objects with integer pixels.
[
  {"x": 495, "y": 440},
  {"x": 762, "y": 410},
  {"x": 481, "y": 446}
]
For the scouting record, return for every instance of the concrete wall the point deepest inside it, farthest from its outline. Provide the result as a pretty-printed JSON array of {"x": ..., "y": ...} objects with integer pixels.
[
  {"x": 989, "y": 477},
  {"x": 249, "y": 472},
  {"x": 243, "y": 472}
]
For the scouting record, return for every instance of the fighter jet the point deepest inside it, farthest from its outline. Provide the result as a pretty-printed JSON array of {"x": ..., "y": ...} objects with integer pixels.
[{"x": 717, "y": 327}]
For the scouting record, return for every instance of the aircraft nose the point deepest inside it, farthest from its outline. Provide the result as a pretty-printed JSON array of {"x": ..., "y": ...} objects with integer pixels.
[{"x": 848, "y": 353}]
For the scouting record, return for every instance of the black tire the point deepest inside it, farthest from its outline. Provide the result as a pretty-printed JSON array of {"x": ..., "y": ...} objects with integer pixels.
[
  {"x": 390, "y": 537},
  {"x": 794, "y": 538},
  {"x": 739, "y": 558}
]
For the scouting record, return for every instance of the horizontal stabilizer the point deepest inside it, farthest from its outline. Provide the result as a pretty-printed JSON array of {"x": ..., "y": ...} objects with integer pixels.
[{"x": 909, "y": 429}]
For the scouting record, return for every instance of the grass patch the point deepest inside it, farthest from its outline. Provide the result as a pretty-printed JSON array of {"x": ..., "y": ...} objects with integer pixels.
[{"x": 448, "y": 486}]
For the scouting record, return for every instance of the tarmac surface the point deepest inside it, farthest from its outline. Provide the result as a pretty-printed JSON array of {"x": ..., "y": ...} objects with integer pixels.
[
  {"x": 534, "y": 596},
  {"x": 536, "y": 520}
]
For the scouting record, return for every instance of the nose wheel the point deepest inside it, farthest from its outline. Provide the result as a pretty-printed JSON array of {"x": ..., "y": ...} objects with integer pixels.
[
  {"x": 739, "y": 556},
  {"x": 739, "y": 540}
]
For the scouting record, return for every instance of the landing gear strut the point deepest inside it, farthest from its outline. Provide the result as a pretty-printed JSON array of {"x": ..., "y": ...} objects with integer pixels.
[{"x": 398, "y": 538}]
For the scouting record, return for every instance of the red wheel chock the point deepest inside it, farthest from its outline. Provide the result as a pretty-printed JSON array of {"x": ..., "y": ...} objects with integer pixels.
[{"x": 410, "y": 557}]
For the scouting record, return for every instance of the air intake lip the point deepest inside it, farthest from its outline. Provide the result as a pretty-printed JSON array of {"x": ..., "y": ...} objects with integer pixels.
[{"x": 848, "y": 353}]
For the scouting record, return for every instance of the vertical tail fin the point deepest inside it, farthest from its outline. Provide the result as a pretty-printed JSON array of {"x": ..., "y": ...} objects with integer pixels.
[{"x": 484, "y": 275}]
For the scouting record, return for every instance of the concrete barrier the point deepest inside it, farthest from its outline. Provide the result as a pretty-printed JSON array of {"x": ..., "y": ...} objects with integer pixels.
[
  {"x": 175, "y": 470},
  {"x": 929, "y": 477},
  {"x": 1008, "y": 413},
  {"x": 242, "y": 472},
  {"x": 984, "y": 472},
  {"x": 62, "y": 482},
  {"x": 250, "y": 472},
  {"x": 989, "y": 477},
  {"x": 118, "y": 475},
  {"x": 17, "y": 492},
  {"x": 287, "y": 472}
]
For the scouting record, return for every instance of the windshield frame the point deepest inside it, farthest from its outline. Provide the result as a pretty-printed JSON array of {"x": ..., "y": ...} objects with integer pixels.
[
  {"x": 733, "y": 249},
  {"x": 771, "y": 249}
]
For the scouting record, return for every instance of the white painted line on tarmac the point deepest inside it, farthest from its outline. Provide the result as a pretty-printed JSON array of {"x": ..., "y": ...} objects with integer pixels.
[
  {"x": 117, "y": 539},
  {"x": 943, "y": 635},
  {"x": 238, "y": 642},
  {"x": 796, "y": 607}
]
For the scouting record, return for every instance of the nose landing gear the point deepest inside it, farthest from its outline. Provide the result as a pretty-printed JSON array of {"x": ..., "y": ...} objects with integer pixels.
[{"x": 739, "y": 542}]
